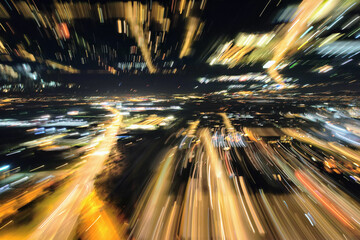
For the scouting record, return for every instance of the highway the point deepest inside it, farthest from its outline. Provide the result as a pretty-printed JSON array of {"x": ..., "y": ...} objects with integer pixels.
[{"x": 61, "y": 223}]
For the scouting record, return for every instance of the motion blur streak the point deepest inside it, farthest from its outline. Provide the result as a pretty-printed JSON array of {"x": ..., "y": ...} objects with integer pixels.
[
  {"x": 218, "y": 200},
  {"x": 156, "y": 202},
  {"x": 333, "y": 209},
  {"x": 61, "y": 226},
  {"x": 98, "y": 222},
  {"x": 134, "y": 10},
  {"x": 191, "y": 28},
  {"x": 294, "y": 30},
  {"x": 209, "y": 194}
]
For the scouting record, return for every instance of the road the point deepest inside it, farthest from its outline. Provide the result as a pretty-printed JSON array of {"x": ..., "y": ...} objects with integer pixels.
[{"x": 61, "y": 223}]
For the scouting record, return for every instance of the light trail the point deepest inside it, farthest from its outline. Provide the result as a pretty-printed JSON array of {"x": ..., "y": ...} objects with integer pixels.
[
  {"x": 265, "y": 8},
  {"x": 294, "y": 30},
  {"x": 204, "y": 192},
  {"x": 61, "y": 227}
]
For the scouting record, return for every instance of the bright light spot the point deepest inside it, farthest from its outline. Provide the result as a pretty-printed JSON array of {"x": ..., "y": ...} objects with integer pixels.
[
  {"x": 3, "y": 168},
  {"x": 268, "y": 64},
  {"x": 100, "y": 153},
  {"x": 73, "y": 113}
]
